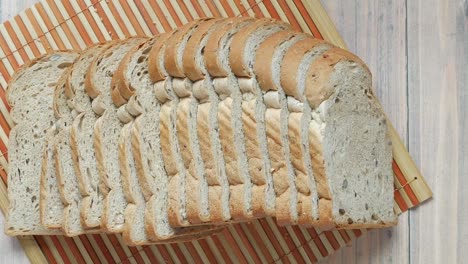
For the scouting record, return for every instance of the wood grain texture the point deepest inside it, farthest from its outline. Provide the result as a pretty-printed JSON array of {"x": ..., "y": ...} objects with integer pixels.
[{"x": 438, "y": 112}]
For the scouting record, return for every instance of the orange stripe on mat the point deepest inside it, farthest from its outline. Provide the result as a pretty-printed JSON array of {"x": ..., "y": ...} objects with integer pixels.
[
  {"x": 74, "y": 249},
  {"x": 306, "y": 16},
  {"x": 8, "y": 55},
  {"x": 117, "y": 17},
  {"x": 116, "y": 245},
  {"x": 259, "y": 241},
  {"x": 64, "y": 25},
  {"x": 152, "y": 258},
  {"x": 227, "y": 8},
  {"x": 164, "y": 253},
  {"x": 89, "y": 248},
  {"x": 221, "y": 249},
  {"x": 399, "y": 175},
  {"x": 136, "y": 254},
  {"x": 146, "y": 17},
  {"x": 60, "y": 249},
  {"x": 207, "y": 250},
  {"x": 254, "y": 6},
  {"x": 291, "y": 18},
  {"x": 76, "y": 21},
  {"x": 103, "y": 248},
  {"x": 357, "y": 232},
  {"x": 39, "y": 32},
  {"x": 90, "y": 20},
  {"x": 173, "y": 13},
  {"x": 271, "y": 236},
  {"x": 246, "y": 243},
  {"x": 185, "y": 10},
  {"x": 27, "y": 36},
  {"x": 304, "y": 243},
  {"x": 162, "y": 18},
  {"x": 345, "y": 236},
  {"x": 400, "y": 201},
  {"x": 16, "y": 42},
  {"x": 4, "y": 175},
  {"x": 271, "y": 9},
  {"x": 290, "y": 243},
  {"x": 50, "y": 27},
  {"x": 241, "y": 7},
  {"x": 132, "y": 17},
  {"x": 332, "y": 239},
  {"x": 214, "y": 10},
  {"x": 198, "y": 8},
  {"x": 45, "y": 249},
  {"x": 178, "y": 252},
  {"x": 105, "y": 20},
  {"x": 234, "y": 245},
  {"x": 317, "y": 241},
  {"x": 193, "y": 252}
]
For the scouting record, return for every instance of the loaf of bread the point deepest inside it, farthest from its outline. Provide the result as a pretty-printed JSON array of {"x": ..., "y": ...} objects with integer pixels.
[{"x": 170, "y": 138}]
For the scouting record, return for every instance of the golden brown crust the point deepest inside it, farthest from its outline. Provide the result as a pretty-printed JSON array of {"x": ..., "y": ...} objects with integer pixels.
[
  {"x": 318, "y": 86},
  {"x": 171, "y": 63},
  {"x": 236, "y": 57},
  {"x": 290, "y": 65},
  {"x": 212, "y": 60},
  {"x": 264, "y": 58},
  {"x": 190, "y": 67},
  {"x": 155, "y": 72},
  {"x": 119, "y": 83}
]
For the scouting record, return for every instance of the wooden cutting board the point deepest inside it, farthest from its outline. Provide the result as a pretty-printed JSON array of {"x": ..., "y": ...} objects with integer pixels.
[{"x": 76, "y": 24}]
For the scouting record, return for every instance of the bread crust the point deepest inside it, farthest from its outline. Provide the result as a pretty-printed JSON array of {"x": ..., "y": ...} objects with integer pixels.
[
  {"x": 155, "y": 72},
  {"x": 190, "y": 67},
  {"x": 290, "y": 64},
  {"x": 319, "y": 73},
  {"x": 264, "y": 58},
  {"x": 171, "y": 63},
  {"x": 236, "y": 57},
  {"x": 212, "y": 59}
]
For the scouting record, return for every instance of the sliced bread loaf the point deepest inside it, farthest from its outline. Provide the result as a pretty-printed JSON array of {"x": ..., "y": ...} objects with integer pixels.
[
  {"x": 242, "y": 58},
  {"x": 30, "y": 94},
  {"x": 107, "y": 130},
  {"x": 211, "y": 202},
  {"x": 81, "y": 142},
  {"x": 216, "y": 58},
  {"x": 68, "y": 168}
]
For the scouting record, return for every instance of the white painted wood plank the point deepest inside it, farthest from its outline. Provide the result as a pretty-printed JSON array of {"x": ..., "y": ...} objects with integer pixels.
[{"x": 438, "y": 75}]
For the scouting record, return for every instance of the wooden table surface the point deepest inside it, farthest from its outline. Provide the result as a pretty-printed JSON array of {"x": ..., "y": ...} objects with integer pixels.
[{"x": 418, "y": 53}]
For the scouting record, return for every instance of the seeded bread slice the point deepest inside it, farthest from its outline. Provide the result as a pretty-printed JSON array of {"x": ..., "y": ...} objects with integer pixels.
[
  {"x": 226, "y": 87},
  {"x": 30, "y": 94},
  {"x": 67, "y": 169},
  {"x": 107, "y": 130},
  {"x": 352, "y": 130},
  {"x": 242, "y": 58},
  {"x": 51, "y": 204},
  {"x": 211, "y": 203}
]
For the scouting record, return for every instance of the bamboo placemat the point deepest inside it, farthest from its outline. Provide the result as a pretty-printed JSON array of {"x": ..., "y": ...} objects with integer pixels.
[{"x": 75, "y": 24}]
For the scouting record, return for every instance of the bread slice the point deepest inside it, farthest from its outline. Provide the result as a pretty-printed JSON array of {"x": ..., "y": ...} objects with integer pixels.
[
  {"x": 107, "y": 131},
  {"x": 30, "y": 94},
  {"x": 299, "y": 191},
  {"x": 211, "y": 204},
  {"x": 216, "y": 57},
  {"x": 190, "y": 177},
  {"x": 348, "y": 138},
  {"x": 82, "y": 140},
  {"x": 242, "y": 58},
  {"x": 67, "y": 168},
  {"x": 51, "y": 205}
]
